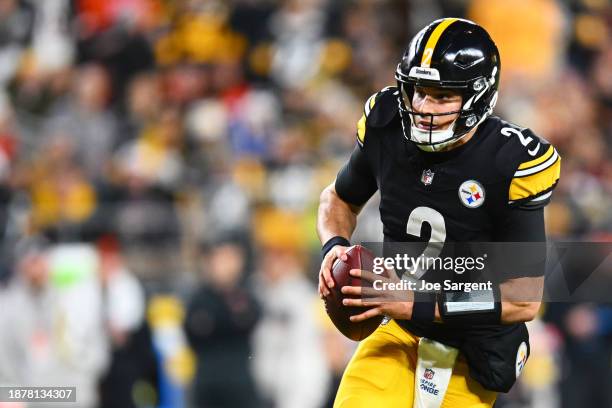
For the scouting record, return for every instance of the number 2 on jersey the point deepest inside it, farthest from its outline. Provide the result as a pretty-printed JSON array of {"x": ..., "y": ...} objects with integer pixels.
[
  {"x": 508, "y": 131},
  {"x": 417, "y": 217}
]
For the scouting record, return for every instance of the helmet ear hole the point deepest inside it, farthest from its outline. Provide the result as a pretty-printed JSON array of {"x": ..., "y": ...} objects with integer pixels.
[{"x": 479, "y": 84}]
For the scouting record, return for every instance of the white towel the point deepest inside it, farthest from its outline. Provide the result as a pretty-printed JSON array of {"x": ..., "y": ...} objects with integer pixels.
[{"x": 433, "y": 372}]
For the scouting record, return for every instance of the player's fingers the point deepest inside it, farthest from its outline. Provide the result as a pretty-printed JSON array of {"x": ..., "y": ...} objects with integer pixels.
[
  {"x": 367, "y": 293},
  {"x": 359, "y": 302},
  {"x": 325, "y": 276},
  {"x": 371, "y": 293},
  {"x": 351, "y": 290},
  {"x": 326, "y": 268},
  {"x": 340, "y": 252},
  {"x": 323, "y": 283},
  {"x": 392, "y": 275},
  {"x": 365, "y": 275},
  {"x": 322, "y": 289},
  {"x": 352, "y": 302},
  {"x": 366, "y": 315}
]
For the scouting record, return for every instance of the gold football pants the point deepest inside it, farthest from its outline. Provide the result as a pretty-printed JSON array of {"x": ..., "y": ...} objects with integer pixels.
[{"x": 381, "y": 374}]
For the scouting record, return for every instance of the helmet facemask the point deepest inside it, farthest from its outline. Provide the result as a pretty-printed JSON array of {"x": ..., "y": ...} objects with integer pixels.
[{"x": 468, "y": 118}]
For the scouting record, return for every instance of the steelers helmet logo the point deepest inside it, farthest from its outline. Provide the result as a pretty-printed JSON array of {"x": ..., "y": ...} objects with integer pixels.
[{"x": 471, "y": 194}]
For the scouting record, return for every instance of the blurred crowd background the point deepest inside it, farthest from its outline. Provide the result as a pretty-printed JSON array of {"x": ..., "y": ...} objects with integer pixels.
[{"x": 160, "y": 168}]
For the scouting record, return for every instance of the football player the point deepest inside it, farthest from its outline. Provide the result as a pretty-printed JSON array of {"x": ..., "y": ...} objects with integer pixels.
[{"x": 438, "y": 157}]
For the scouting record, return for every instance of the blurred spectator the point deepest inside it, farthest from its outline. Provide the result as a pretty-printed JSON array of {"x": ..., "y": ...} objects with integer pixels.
[
  {"x": 228, "y": 209},
  {"x": 154, "y": 157},
  {"x": 86, "y": 119},
  {"x": 144, "y": 104},
  {"x": 16, "y": 24},
  {"x": 131, "y": 379},
  {"x": 146, "y": 176},
  {"x": 288, "y": 344},
  {"x": 586, "y": 334},
  {"x": 199, "y": 33},
  {"x": 298, "y": 28},
  {"x": 51, "y": 323},
  {"x": 63, "y": 197},
  {"x": 53, "y": 47},
  {"x": 114, "y": 34},
  {"x": 220, "y": 319}
]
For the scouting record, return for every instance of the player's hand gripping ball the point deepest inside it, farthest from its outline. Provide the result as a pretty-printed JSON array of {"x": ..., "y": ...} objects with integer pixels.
[{"x": 358, "y": 257}]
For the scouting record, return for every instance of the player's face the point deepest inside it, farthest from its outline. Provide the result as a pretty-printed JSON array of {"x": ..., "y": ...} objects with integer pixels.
[{"x": 432, "y": 101}]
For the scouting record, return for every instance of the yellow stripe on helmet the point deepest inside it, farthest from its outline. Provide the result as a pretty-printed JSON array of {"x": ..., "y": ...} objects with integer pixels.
[{"x": 433, "y": 40}]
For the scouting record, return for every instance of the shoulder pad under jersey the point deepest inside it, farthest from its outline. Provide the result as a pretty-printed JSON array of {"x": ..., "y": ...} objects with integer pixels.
[{"x": 379, "y": 110}]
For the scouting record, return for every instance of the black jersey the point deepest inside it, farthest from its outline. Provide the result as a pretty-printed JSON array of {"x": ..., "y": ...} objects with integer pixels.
[{"x": 492, "y": 188}]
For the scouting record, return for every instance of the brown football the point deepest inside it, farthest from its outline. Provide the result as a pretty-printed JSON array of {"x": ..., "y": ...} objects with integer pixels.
[{"x": 358, "y": 258}]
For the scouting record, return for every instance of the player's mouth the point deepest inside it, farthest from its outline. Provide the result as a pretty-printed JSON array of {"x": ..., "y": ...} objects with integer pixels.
[{"x": 427, "y": 126}]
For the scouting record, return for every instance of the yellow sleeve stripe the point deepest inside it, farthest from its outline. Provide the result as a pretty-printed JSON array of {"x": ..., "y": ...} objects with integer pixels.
[
  {"x": 539, "y": 160},
  {"x": 430, "y": 46},
  {"x": 361, "y": 129},
  {"x": 361, "y": 125},
  {"x": 370, "y": 104},
  {"x": 540, "y": 167},
  {"x": 531, "y": 185}
]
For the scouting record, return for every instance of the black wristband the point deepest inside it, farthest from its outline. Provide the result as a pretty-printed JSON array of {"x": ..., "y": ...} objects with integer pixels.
[
  {"x": 332, "y": 242},
  {"x": 424, "y": 307}
]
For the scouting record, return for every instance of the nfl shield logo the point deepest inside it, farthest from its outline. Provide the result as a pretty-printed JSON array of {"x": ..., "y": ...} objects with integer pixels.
[
  {"x": 427, "y": 177},
  {"x": 429, "y": 373}
]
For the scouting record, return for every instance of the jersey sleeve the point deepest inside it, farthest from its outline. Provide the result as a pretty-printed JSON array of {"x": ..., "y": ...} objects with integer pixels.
[
  {"x": 519, "y": 249},
  {"x": 361, "y": 124},
  {"x": 356, "y": 180},
  {"x": 535, "y": 168},
  {"x": 377, "y": 112}
]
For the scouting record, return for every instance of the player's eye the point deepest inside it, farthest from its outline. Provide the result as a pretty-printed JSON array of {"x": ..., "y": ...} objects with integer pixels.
[
  {"x": 443, "y": 96},
  {"x": 420, "y": 93}
]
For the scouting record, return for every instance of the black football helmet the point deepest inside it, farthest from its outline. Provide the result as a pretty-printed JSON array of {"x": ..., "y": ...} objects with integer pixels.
[{"x": 449, "y": 53}]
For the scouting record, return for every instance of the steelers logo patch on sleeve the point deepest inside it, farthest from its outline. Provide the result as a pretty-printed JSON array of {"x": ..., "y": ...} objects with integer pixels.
[{"x": 471, "y": 194}]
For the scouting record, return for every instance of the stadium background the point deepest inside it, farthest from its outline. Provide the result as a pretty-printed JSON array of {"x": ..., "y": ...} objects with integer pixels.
[{"x": 160, "y": 166}]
